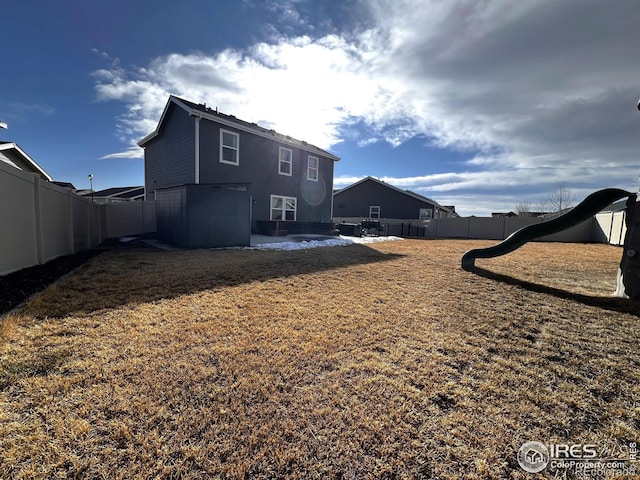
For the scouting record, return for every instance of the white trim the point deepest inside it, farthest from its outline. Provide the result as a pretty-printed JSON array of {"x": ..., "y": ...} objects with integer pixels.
[
  {"x": 281, "y": 162},
  {"x": 29, "y": 160},
  {"x": 197, "y": 152},
  {"x": 371, "y": 207},
  {"x": 236, "y": 149},
  {"x": 284, "y": 210},
  {"x": 309, "y": 169}
]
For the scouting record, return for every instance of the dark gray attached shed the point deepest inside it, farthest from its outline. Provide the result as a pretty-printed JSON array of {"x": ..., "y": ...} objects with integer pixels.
[{"x": 203, "y": 216}]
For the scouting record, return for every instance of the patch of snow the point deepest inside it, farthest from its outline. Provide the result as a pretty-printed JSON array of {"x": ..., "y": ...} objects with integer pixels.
[{"x": 340, "y": 241}]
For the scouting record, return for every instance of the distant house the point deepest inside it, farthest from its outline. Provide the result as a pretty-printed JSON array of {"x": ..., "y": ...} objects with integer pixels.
[
  {"x": 68, "y": 185},
  {"x": 372, "y": 198},
  {"x": 115, "y": 194},
  {"x": 12, "y": 154},
  {"x": 215, "y": 178},
  {"x": 503, "y": 214}
]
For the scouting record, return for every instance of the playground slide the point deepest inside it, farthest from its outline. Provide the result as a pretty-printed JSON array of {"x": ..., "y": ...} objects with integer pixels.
[{"x": 581, "y": 212}]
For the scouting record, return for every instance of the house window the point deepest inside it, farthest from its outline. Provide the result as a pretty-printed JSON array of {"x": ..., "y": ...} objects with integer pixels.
[
  {"x": 229, "y": 147},
  {"x": 374, "y": 211},
  {"x": 284, "y": 165},
  {"x": 283, "y": 208},
  {"x": 425, "y": 213},
  {"x": 312, "y": 168}
]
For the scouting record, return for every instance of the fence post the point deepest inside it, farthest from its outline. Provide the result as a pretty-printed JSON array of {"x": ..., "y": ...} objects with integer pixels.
[
  {"x": 70, "y": 230},
  {"x": 38, "y": 219},
  {"x": 609, "y": 235}
]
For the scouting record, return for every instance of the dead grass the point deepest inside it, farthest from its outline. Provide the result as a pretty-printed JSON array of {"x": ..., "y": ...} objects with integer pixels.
[{"x": 348, "y": 362}]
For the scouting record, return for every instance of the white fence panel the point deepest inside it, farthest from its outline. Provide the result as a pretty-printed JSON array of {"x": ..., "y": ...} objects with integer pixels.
[
  {"x": 130, "y": 218},
  {"x": 56, "y": 220},
  {"x": 41, "y": 221},
  {"x": 610, "y": 227},
  {"x": 18, "y": 241},
  {"x": 453, "y": 227},
  {"x": 619, "y": 228}
]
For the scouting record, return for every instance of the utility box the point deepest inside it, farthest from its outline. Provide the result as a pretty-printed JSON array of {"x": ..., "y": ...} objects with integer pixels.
[{"x": 204, "y": 215}]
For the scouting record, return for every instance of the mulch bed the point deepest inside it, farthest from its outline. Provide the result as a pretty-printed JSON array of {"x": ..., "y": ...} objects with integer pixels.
[{"x": 16, "y": 287}]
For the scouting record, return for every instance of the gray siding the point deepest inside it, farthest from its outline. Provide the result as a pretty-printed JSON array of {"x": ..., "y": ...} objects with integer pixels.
[
  {"x": 258, "y": 166},
  {"x": 355, "y": 202},
  {"x": 170, "y": 157}
]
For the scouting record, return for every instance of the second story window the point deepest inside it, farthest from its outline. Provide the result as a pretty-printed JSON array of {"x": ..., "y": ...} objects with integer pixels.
[
  {"x": 284, "y": 165},
  {"x": 374, "y": 211},
  {"x": 229, "y": 147},
  {"x": 312, "y": 168}
]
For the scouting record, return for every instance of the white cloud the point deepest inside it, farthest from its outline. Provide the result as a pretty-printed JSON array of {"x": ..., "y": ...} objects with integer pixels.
[
  {"x": 543, "y": 91},
  {"x": 132, "y": 153}
]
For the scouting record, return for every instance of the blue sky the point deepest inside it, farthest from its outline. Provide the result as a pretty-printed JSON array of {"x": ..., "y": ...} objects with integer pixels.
[{"x": 477, "y": 104}]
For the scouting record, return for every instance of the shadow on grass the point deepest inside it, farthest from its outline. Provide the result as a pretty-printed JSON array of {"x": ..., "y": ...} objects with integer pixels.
[
  {"x": 145, "y": 275},
  {"x": 616, "y": 304}
]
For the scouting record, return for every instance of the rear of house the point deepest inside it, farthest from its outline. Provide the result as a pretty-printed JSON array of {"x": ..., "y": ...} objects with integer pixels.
[{"x": 287, "y": 180}]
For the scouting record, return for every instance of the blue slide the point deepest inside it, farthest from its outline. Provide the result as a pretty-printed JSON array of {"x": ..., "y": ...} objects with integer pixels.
[{"x": 581, "y": 212}]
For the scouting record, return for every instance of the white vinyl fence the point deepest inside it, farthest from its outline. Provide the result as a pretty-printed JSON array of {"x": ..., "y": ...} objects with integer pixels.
[
  {"x": 608, "y": 227},
  {"x": 42, "y": 221}
]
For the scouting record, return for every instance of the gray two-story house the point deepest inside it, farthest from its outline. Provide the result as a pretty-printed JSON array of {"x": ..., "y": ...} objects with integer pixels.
[{"x": 216, "y": 178}]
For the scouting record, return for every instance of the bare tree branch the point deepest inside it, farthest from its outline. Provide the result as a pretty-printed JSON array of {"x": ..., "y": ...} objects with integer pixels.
[{"x": 559, "y": 198}]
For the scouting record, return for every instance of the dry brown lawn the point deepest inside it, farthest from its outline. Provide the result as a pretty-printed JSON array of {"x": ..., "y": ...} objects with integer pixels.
[{"x": 381, "y": 361}]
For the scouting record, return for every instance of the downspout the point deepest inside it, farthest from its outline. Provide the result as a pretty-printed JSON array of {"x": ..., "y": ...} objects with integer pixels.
[{"x": 197, "y": 152}]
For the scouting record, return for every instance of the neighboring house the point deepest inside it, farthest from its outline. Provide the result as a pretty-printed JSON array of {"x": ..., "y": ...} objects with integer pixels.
[
  {"x": 196, "y": 149},
  {"x": 68, "y": 185},
  {"x": 372, "y": 198},
  {"x": 12, "y": 154},
  {"x": 616, "y": 206},
  {"x": 114, "y": 195},
  {"x": 503, "y": 214}
]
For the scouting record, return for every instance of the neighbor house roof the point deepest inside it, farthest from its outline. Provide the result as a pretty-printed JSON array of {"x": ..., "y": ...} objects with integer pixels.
[
  {"x": 201, "y": 110},
  {"x": 124, "y": 193},
  {"x": 13, "y": 155},
  {"x": 616, "y": 206},
  {"x": 66, "y": 185},
  {"x": 408, "y": 193}
]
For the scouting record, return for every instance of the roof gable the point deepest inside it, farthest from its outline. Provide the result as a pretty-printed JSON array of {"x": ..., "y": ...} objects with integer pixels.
[
  {"x": 12, "y": 149},
  {"x": 408, "y": 193},
  {"x": 202, "y": 111},
  {"x": 120, "y": 192}
]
